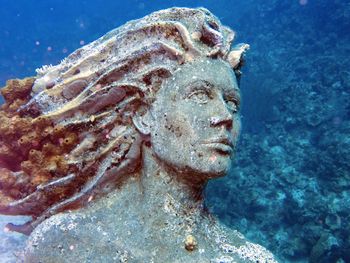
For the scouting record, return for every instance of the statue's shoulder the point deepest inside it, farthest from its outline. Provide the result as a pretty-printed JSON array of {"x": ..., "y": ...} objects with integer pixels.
[
  {"x": 72, "y": 237},
  {"x": 54, "y": 238},
  {"x": 234, "y": 247}
]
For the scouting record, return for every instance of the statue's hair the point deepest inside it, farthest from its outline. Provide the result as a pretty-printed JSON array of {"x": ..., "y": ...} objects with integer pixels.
[{"x": 73, "y": 127}]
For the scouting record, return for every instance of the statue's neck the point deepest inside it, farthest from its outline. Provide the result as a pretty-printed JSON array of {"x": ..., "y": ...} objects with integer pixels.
[{"x": 158, "y": 182}]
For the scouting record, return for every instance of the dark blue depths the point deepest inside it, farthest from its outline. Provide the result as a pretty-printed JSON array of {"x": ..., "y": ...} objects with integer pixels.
[{"x": 289, "y": 189}]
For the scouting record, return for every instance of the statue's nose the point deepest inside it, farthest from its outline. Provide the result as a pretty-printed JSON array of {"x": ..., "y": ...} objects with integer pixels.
[{"x": 223, "y": 117}]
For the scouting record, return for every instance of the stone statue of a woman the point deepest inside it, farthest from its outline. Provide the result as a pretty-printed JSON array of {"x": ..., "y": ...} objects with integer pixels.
[{"x": 110, "y": 150}]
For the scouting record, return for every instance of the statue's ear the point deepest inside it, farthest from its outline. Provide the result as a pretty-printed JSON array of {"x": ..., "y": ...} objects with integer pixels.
[{"x": 143, "y": 122}]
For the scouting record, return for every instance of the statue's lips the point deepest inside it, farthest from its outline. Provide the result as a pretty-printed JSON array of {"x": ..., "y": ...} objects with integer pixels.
[{"x": 224, "y": 145}]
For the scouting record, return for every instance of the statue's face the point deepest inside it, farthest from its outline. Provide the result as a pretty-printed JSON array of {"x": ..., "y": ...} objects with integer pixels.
[{"x": 196, "y": 121}]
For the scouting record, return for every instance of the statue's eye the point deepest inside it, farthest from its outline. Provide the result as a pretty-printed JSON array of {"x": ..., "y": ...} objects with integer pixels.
[
  {"x": 232, "y": 105},
  {"x": 200, "y": 96}
]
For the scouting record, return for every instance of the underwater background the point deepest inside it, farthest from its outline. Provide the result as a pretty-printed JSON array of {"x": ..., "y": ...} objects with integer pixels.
[{"x": 290, "y": 186}]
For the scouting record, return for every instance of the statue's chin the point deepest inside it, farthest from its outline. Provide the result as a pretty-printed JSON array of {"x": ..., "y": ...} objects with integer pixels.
[
  {"x": 218, "y": 166},
  {"x": 210, "y": 165},
  {"x": 216, "y": 173},
  {"x": 207, "y": 170}
]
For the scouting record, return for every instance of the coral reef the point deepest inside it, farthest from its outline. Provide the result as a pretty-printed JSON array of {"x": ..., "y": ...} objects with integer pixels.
[{"x": 292, "y": 171}]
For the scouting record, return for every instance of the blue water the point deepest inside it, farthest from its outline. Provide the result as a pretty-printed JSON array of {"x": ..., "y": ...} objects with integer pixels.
[{"x": 289, "y": 190}]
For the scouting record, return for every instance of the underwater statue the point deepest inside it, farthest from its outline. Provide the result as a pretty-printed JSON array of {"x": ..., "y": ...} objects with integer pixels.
[{"x": 109, "y": 151}]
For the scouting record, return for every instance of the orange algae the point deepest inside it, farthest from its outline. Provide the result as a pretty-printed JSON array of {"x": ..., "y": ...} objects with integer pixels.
[{"x": 31, "y": 148}]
